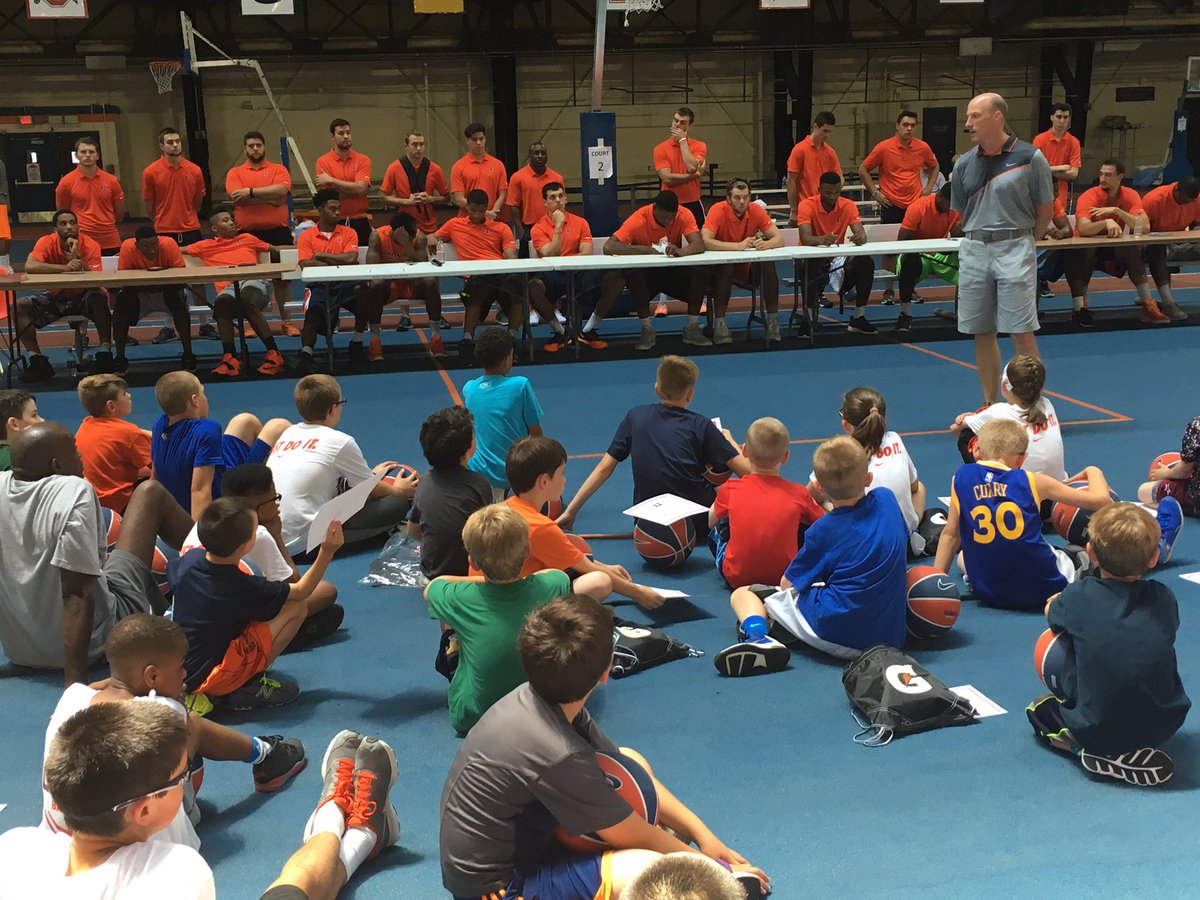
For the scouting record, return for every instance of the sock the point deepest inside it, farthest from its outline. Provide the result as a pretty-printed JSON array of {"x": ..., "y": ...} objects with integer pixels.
[
  {"x": 1164, "y": 293},
  {"x": 860, "y": 311},
  {"x": 357, "y": 844},
  {"x": 646, "y": 324},
  {"x": 308, "y": 350},
  {"x": 906, "y": 308},
  {"x": 329, "y": 818},
  {"x": 1078, "y": 303},
  {"x": 693, "y": 320},
  {"x": 1143, "y": 290},
  {"x": 228, "y": 347},
  {"x": 555, "y": 325},
  {"x": 375, "y": 330},
  {"x": 593, "y": 323},
  {"x": 755, "y": 627},
  {"x": 258, "y": 752}
]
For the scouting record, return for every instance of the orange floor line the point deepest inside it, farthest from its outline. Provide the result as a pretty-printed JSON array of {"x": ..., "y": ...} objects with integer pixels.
[{"x": 454, "y": 394}]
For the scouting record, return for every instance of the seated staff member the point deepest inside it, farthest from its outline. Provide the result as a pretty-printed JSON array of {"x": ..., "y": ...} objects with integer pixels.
[
  {"x": 259, "y": 190},
  {"x": 823, "y": 221},
  {"x": 149, "y": 251},
  {"x": 478, "y": 170},
  {"x": 345, "y": 170},
  {"x": 737, "y": 224},
  {"x": 668, "y": 228},
  {"x": 1172, "y": 207},
  {"x": 681, "y": 161},
  {"x": 562, "y": 233},
  {"x": 478, "y": 236},
  {"x": 1105, "y": 211},
  {"x": 928, "y": 218},
  {"x": 525, "y": 193},
  {"x": 809, "y": 160},
  {"x": 66, "y": 250},
  {"x": 401, "y": 241}
]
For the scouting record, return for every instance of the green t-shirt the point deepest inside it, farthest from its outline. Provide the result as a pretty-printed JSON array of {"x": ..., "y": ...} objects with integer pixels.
[
  {"x": 487, "y": 618},
  {"x": 5, "y": 458}
]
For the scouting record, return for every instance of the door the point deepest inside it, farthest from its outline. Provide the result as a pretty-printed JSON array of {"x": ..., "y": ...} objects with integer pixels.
[
  {"x": 35, "y": 163},
  {"x": 940, "y": 131}
]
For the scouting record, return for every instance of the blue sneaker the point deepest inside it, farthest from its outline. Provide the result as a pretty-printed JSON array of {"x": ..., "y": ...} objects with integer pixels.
[{"x": 1170, "y": 520}]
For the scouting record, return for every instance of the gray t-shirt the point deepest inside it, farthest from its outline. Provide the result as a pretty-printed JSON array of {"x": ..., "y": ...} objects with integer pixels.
[
  {"x": 1000, "y": 193},
  {"x": 444, "y": 500},
  {"x": 51, "y": 524},
  {"x": 522, "y": 769}
]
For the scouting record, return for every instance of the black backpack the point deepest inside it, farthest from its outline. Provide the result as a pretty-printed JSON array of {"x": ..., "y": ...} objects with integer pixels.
[{"x": 637, "y": 647}]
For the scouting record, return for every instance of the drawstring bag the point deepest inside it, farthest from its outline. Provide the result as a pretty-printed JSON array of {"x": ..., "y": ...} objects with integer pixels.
[
  {"x": 892, "y": 695},
  {"x": 637, "y": 647}
]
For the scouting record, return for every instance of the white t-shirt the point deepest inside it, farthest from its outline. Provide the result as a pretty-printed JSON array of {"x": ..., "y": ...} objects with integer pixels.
[
  {"x": 312, "y": 464},
  {"x": 891, "y": 467},
  {"x": 35, "y": 862},
  {"x": 79, "y": 697},
  {"x": 264, "y": 556},
  {"x": 1045, "y": 440}
]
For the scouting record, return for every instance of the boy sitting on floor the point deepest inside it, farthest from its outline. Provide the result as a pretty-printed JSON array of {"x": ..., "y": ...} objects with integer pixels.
[
  {"x": 1119, "y": 687},
  {"x": 18, "y": 410},
  {"x": 115, "y": 452},
  {"x": 845, "y": 590}
]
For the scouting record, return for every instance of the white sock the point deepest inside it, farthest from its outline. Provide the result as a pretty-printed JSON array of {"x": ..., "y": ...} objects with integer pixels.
[
  {"x": 1078, "y": 303},
  {"x": 329, "y": 818},
  {"x": 1143, "y": 290},
  {"x": 357, "y": 844},
  {"x": 555, "y": 326},
  {"x": 593, "y": 323},
  {"x": 693, "y": 320},
  {"x": 1164, "y": 293},
  {"x": 718, "y": 320},
  {"x": 646, "y": 324},
  {"x": 906, "y": 308}
]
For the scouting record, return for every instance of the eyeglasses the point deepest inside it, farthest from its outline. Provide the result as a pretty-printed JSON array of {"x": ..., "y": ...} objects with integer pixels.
[
  {"x": 173, "y": 783},
  {"x": 274, "y": 499},
  {"x": 341, "y": 402}
]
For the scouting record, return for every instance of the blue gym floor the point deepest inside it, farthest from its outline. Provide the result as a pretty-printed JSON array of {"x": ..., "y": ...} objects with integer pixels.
[{"x": 980, "y": 811}]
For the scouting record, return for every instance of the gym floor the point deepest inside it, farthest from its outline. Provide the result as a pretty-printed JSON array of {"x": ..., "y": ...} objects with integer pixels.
[{"x": 769, "y": 762}]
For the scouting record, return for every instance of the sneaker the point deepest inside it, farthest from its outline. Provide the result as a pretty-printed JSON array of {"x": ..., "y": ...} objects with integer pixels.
[
  {"x": 646, "y": 340},
  {"x": 1082, "y": 318},
  {"x": 693, "y": 334},
  {"x": 755, "y": 657},
  {"x": 337, "y": 771},
  {"x": 358, "y": 353},
  {"x": 198, "y": 703},
  {"x": 1170, "y": 522},
  {"x": 1173, "y": 312},
  {"x": 1043, "y": 290},
  {"x": 1148, "y": 767},
  {"x": 592, "y": 340},
  {"x": 272, "y": 363},
  {"x": 903, "y": 323},
  {"x": 660, "y": 311},
  {"x": 208, "y": 332},
  {"x": 165, "y": 335},
  {"x": 889, "y": 297},
  {"x": 102, "y": 363},
  {"x": 704, "y": 307},
  {"x": 263, "y": 692},
  {"x": 120, "y": 365},
  {"x": 187, "y": 362},
  {"x": 375, "y": 352},
  {"x": 860, "y": 325},
  {"x": 436, "y": 347},
  {"x": 284, "y": 761},
  {"x": 535, "y": 318},
  {"x": 319, "y": 626},
  {"x": 466, "y": 349},
  {"x": 371, "y": 807},
  {"x": 721, "y": 333},
  {"x": 443, "y": 325},
  {"x": 131, "y": 341},
  {"x": 824, "y": 302},
  {"x": 803, "y": 327},
  {"x": 773, "y": 329},
  {"x": 1152, "y": 315},
  {"x": 305, "y": 364},
  {"x": 917, "y": 298},
  {"x": 558, "y": 342},
  {"x": 562, "y": 320},
  {"x": 404, "y": 324},
  {"x": 502, "y": 319},
  {"x": 229, "y": 367},
  {"x": 287, "y": 329}
]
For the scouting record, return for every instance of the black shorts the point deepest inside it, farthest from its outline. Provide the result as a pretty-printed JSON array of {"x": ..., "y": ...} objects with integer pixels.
[
  {"x": 557, "y": 283},
  {"x": 183, "y": 238},
  {"x": 891, "y": 215},
  {"x": 696, "y": 208},
  {"x": 361, "y": 226},
  {"x": 279, "y": 236},
  {"x": 674, "y": 281}
]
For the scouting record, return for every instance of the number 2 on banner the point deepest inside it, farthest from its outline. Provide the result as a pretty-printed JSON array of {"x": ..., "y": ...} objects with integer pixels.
[{"x": 1007, "y": 519}]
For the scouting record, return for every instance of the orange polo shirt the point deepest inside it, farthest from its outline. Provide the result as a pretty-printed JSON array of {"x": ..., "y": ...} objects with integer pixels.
[
  {"x": 808, "y": 163},
  {"x": 114, "y": 452},
  {"x": 395, "y": 183},
  {"x": 548, "y": 546},
  {"x": 576, "y": 231},
  {"x": 355, "y": 167},
  {"x": 486, "y": 241},
  {"x": 171, "y": 193},
  {"x": 811, "y": 212},
  {"x": 312, "y": 241},
  {"x": 641, "y": 229},
  {"x": 169, "y": 255},
  {"x": 726, "y": 226},
  {"x": 389, "y": 250},
  {"x": 260, "y": 216},
  {"x": 525, "y": 191},
  {"x": 93, "y": 200},
  {"x": 925, "y": 222},
  {"x": 1167, "y": 215},
  {"x": 1127, "y": 199},
  {"x": 1064, "y": 151},
  {"x": 49, "y": 250},
  {"x": 471, "y": 174},
  {"x": 667, "y": 155},
  {"x": 900, "y": 168},
  {"x": 240, "y": 250},
  {"x": 1060, "y": 209}
]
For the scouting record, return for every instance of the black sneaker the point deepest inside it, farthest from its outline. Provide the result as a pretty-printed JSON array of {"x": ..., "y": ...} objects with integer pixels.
[
  {"x": 285, "y": 760},
  {"x": 120, "y": 365},
  {"x": 466, "y": 349},
  {"x": 102, "y": 363},
  {"x": 825, "y": 302},
  {"x": 404, "y": 324},
  {"x": 1148, "y": 767},
  {"x": 903, "y": 323},
  {"x": 1082, "y": 318},
  {"x": 132, "y": 341},
  {"x": 1043, "y": 289},
  {"x": 860, "y": 325},
  {"x": 263, "y": 692},
  {"x": 917, "y": 298},
  {"x": 165, "y": 335},
  {"x": 37, "y": 369},
  {"x": 358, "y": 353},
  {"x": 187, "y": 362},
  {"x": 306, "y": 365},
  {"x": 208, "y": 332},
  {"x": 319, "y": 626},
  {"x": 888, "y": 298},
  {"x": 803, "y": 328},
  {"x": 752, "y": 658}
]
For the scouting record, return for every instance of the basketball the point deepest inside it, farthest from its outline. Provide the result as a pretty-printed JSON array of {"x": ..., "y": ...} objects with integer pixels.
[
  {"x": 400, "y": 471},
  {"x": 717, "y": 475},
  {"x": 112, "y": 527},
  {"x": 158, "y": 566},
  {"x": 552, "y": 509},
  {"x": 1167, "y": 459},
  {"x": 1049, "y": 657},
  {"x": 1070, "y": 521},
  {"x": 934, "y": 602},
  {"x": 580, "y": 543},
  {"x": 664, "y": 546},
  {"x": 248, "y": 568},
  {"x": 635, "y": 786}
]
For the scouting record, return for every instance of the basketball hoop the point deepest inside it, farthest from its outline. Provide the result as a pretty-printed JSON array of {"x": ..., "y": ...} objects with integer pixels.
[
  {"x": 164, "y": 71},
  {"x": 635, "y": 6}
]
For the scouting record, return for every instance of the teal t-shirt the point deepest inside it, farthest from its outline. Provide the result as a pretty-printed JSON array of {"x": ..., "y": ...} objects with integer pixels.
[
  {"x": 487, "y": 618},
  {"x": 504, "y": 407}
]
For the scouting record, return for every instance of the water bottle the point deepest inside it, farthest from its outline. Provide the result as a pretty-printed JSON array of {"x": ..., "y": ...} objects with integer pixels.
[
  {"x": 72, "y": 362},
  {"x": 1138, "y": 224},
  {"x": 439, "y": 253}
]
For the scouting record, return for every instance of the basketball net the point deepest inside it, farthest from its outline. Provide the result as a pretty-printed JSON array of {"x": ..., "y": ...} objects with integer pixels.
[
  {"x": 164, "y": 73},
  {"x": 641, "y": 6}
]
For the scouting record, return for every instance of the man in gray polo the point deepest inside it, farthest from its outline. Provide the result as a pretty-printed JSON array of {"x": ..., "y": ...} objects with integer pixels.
[{"x": 1005, "y": 193}]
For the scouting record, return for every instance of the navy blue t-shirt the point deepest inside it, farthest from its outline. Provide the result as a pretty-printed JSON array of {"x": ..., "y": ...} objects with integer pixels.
[
  {"x": 177, "y": 449},
  {"x": 214, "y": 604},
  {"x": 1120, "y": 679},
  {"x": 670, "y": 448}
]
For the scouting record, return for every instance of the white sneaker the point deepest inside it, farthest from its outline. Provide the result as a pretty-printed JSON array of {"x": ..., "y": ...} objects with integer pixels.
[
  {"x": 721, "y": 334},
  {"x": 773, "y": 330},
  {"x": 693, "y": 334},
  {"x": 646, "y": 340},
  {"x": 534, "y": 318}
]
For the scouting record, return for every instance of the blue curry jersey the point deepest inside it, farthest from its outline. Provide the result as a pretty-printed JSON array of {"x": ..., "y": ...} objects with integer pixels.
[{"x": 1008, "y": 561}]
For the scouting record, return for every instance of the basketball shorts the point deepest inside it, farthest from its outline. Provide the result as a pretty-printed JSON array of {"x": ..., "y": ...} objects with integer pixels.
[
  {"x": 153, "y": 300},
  {"x": 248, "y": 655},
  {"x": 892, "y": 215},
  {"x": 255, "y": 290},
  {"x": 361, "y": 226},
  {"x": 1177, "y": 488},
  {"x": 939, "y": 265},
  {"x": 399, "y": 290},
  {"x": 235, "y": 452},
  {"x": 570, "y": 876},
  {"x": 329, "y": 295},
  {"x": 674, "y": 281},
  {"x": 280, "y": 236},
  {"x": 5, "y": 228},
  {"x": 558, "y": 284},
  {"x": 1108, "y": 261},
  {"x": 132, "y": 585},
  {"x": 50, "y": 306},
  {"x": 783, "y": 606}
]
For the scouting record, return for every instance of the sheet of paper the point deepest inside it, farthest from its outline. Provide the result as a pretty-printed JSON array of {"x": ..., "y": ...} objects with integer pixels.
[
  {"x": 339, "y": 509},
  {"x": 1193, "y": 577},
  {"x": 665, "y": 509},
  {"x": 669, "y": 593},
  {"x": 945, "y": 501},
  {"x": 3, "y": 807},
  {"x": 984, "y": 706},
  {"x": 717, "y": 422}
]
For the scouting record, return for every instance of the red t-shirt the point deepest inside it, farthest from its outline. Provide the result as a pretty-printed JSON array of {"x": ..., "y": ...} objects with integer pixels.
[
  {"x": 171, "y": 193},
  {"x": 93, "y": 200},
  {"x": 765, "y": 513},
  {"x": 576, "y": 231},
  {"x": 259, "y": 216},
  {"x": 808, "y": 163},
  {"x": 726, "y": 226},
  {"x": 1064, "y": 151},
  {"x": 486, "y": 241},
  {"x": 169, "y": 255},
  {"x": 395, "y": 184},
  {"x": 114, "y": 453},
  {"x": 240, "y": 250},
  {"x": 923, "y": 219},
  {"x": 641, "y": 230},
  {"x": 1127, "y": 199},
  {"x": 525, "y": 191},
  {"x": 811, "y": 212},
  {"x": 487, "y": 175},
  {"x": 1167, "y": 215},
  {"x": 900, "y": 168},
  {"x": 355, "y": 167},
  {"x": 667, "y": 155},
  {"x": 312, "y": 241}
]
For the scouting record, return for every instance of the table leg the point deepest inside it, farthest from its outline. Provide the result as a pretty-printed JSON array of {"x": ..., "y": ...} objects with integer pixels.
[
  {"x": 241, "y": 323},
  {"x": 813, "y": 304}
]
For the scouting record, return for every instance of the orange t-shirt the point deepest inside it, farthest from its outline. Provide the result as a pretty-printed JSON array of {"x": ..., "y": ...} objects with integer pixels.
[
  {"x": 576, "y": 231},
  {"x": 94, "y": 201},
  {"x": 114, "y": 453},
  {"x": 823, "y": 221},
  {"x": 49, "y": 250},
  {"x": 355, "y": 167},
  {"x": 259, "y": 216},
  {"x": 240, "y": 250},
  {"x": 525, "y": 191},
  {"x": 486, "y": 241},
  {"x": 900, "y": 168},
  {"x": 1064, "y": 151},
  {"x": 312, "y": 241},
  {"x": 808, "y": 163},
  {"x": 925, "y": 222},
  {"x": 471, "y": 174},
  {"x": 667, "y": 155},
  {"x": 726, "y": 226},
  {"x": 169, "y": 255},
  {"x": 389, "y": 250},
  {"x": 1167, "y": 215},
  {"x": 641, "y": 230},
  {"x": 1127, "y": 199},
  {"x": 171, "y": 193},
  {"x": 548, "y": 546},
  {"x": 395, "y": 183}
]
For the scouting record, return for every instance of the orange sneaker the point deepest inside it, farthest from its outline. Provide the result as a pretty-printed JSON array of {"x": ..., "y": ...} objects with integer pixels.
[
  {"x": 1152, "y": 315},
  {"x": 436, "y": 347},
  {"x": 287, "y": 329},
  {"x": 229, "y": 367},
  {"x": 272, "y": 364},
  {"x": 660, "y": 311},
  {"x": 375, "y": 353},
  {"x": 556, "y": 343}
]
